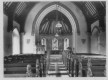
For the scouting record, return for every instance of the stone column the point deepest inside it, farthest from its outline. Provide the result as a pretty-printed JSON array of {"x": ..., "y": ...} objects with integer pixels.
[
  {"x": 21, "y": 43},
  {"x": 89, "y": 36},
  {"x": 89, "y": 42}
]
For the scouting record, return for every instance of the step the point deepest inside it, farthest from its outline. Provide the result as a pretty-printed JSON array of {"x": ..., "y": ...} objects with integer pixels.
[
  {"x": 58, "y": 66},
  {"x": 59, "y": 69},
  {"x": 56, "y": 62},
  {"x": 55, "y": 56},
  {"x": 54, "y": 72}
]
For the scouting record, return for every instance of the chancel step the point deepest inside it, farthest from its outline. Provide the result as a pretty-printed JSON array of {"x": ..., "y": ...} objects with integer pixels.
[{"x": 56, "y": 67}]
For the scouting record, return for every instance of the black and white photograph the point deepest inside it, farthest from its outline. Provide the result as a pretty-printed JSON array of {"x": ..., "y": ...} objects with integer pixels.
[{"x": 54, "y": 39}]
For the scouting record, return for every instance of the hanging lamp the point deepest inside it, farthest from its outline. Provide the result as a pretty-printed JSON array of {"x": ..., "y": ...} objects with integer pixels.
[{"x": 58, "y": 24}]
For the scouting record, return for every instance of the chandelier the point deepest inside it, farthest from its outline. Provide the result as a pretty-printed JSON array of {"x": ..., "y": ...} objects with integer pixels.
[{"x": 58, "y": 24}]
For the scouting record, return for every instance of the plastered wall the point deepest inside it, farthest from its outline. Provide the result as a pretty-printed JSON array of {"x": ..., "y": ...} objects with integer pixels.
[
  {"x": 28, "y": 40},
  {"x": 8, "y": 45},
  {"x": 7, "y": 37},
  {"x": 81, "y": 40},
  {"x": 98, "y": 40}
]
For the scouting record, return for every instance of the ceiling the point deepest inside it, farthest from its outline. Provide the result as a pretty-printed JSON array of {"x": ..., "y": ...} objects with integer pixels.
[
  {"x": 48, "y": 24},
  {"x": 18, "y": 11}
]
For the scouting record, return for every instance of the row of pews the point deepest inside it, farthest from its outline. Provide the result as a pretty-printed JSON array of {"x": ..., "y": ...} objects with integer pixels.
[
  {"x": 85, "y": 65},
  {"x": 31, "y": 65}
]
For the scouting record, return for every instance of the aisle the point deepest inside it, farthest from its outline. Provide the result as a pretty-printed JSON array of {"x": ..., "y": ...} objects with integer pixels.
[{"x": 56, "y": 67}]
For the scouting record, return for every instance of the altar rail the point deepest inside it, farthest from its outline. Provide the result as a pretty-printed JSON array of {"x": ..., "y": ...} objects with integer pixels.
[
  {"x": 85, "y": 65},
  {"x": 17, "y": 64}
]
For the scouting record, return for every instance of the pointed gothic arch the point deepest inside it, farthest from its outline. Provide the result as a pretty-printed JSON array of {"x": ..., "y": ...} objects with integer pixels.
[
  {"x": 16, "y": 42},
  {"x": 66, "y": 11},
  {"x": 95, "y": 40}
]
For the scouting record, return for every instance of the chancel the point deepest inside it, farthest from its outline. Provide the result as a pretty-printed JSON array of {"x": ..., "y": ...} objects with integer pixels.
[{"x": 54, "y": 39}]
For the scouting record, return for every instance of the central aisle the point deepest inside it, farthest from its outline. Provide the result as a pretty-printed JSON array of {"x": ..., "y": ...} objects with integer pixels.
[{"x": 56, "y": 67}]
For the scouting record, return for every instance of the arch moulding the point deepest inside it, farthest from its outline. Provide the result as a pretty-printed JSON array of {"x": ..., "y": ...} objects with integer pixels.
[{"x": 48, "y": 9}]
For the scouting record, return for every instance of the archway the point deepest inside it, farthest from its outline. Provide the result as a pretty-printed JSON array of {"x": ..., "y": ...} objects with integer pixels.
[
  {"x": 16, "y": 42},
  {"x": 62, "y": 10},
  {"x": 95, "y": 40}
]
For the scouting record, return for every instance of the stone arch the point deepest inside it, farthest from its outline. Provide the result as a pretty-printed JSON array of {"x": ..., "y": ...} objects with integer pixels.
[
  {"x": 60, "y": 4},
  {"x": 39, "y": 18},
  {"x": 95, "y": 40},
  {"x": 95, "y": 27}
]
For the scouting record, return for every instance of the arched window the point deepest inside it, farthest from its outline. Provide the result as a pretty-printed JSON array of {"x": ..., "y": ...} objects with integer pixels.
[
  {"x": 95, "y": 47},
  {"x": 66, "y": 43},
  {"x": 54, "y": 44},
  {"x": 16, "y": 42},
  {"x": 43, "y": 42}
]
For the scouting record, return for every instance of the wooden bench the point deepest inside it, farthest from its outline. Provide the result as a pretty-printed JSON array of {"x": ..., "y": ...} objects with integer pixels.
[
  {"x": 98, "y": 63},
  {"x": 20, "y": 63}
]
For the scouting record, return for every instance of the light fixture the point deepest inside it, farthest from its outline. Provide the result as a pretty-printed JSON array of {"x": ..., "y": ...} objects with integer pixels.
[{"x": 58, "y": 24}]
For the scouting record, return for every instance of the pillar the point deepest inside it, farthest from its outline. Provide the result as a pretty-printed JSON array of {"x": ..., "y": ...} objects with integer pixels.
[{"x": 89, "y": 37}]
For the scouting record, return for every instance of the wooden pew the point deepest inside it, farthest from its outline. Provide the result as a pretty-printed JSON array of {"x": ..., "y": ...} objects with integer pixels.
[
  {"x": 74, "y": 66},
  {"x": 97, "y": 66},
  {"x": 19, "y": 66}
]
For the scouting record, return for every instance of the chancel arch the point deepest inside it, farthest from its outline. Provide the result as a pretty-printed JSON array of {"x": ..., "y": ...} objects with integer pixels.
[
  {"x": 16, "y": 42},
  {"x": 62, "y": 10}
]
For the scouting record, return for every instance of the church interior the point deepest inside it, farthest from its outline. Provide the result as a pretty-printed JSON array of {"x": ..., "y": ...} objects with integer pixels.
[{"x": 54, "y": 39}]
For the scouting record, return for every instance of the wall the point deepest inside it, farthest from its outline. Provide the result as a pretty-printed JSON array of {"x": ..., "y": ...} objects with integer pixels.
[
  {"x": 16, "y": 39},
  {"x": 28, "y": 42},
  {"x": 28, "y": 45},
  {"x": 60, "y": 41},
  {"x": 81, "y": 47},
  {"x": 98, "y": 40},
  {"x": 102, "y": 43},
  {"x": 7, "y": 37}
]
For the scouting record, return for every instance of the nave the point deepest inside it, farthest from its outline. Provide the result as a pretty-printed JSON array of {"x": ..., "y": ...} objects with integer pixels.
[{"x": 54, "y": 39}]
